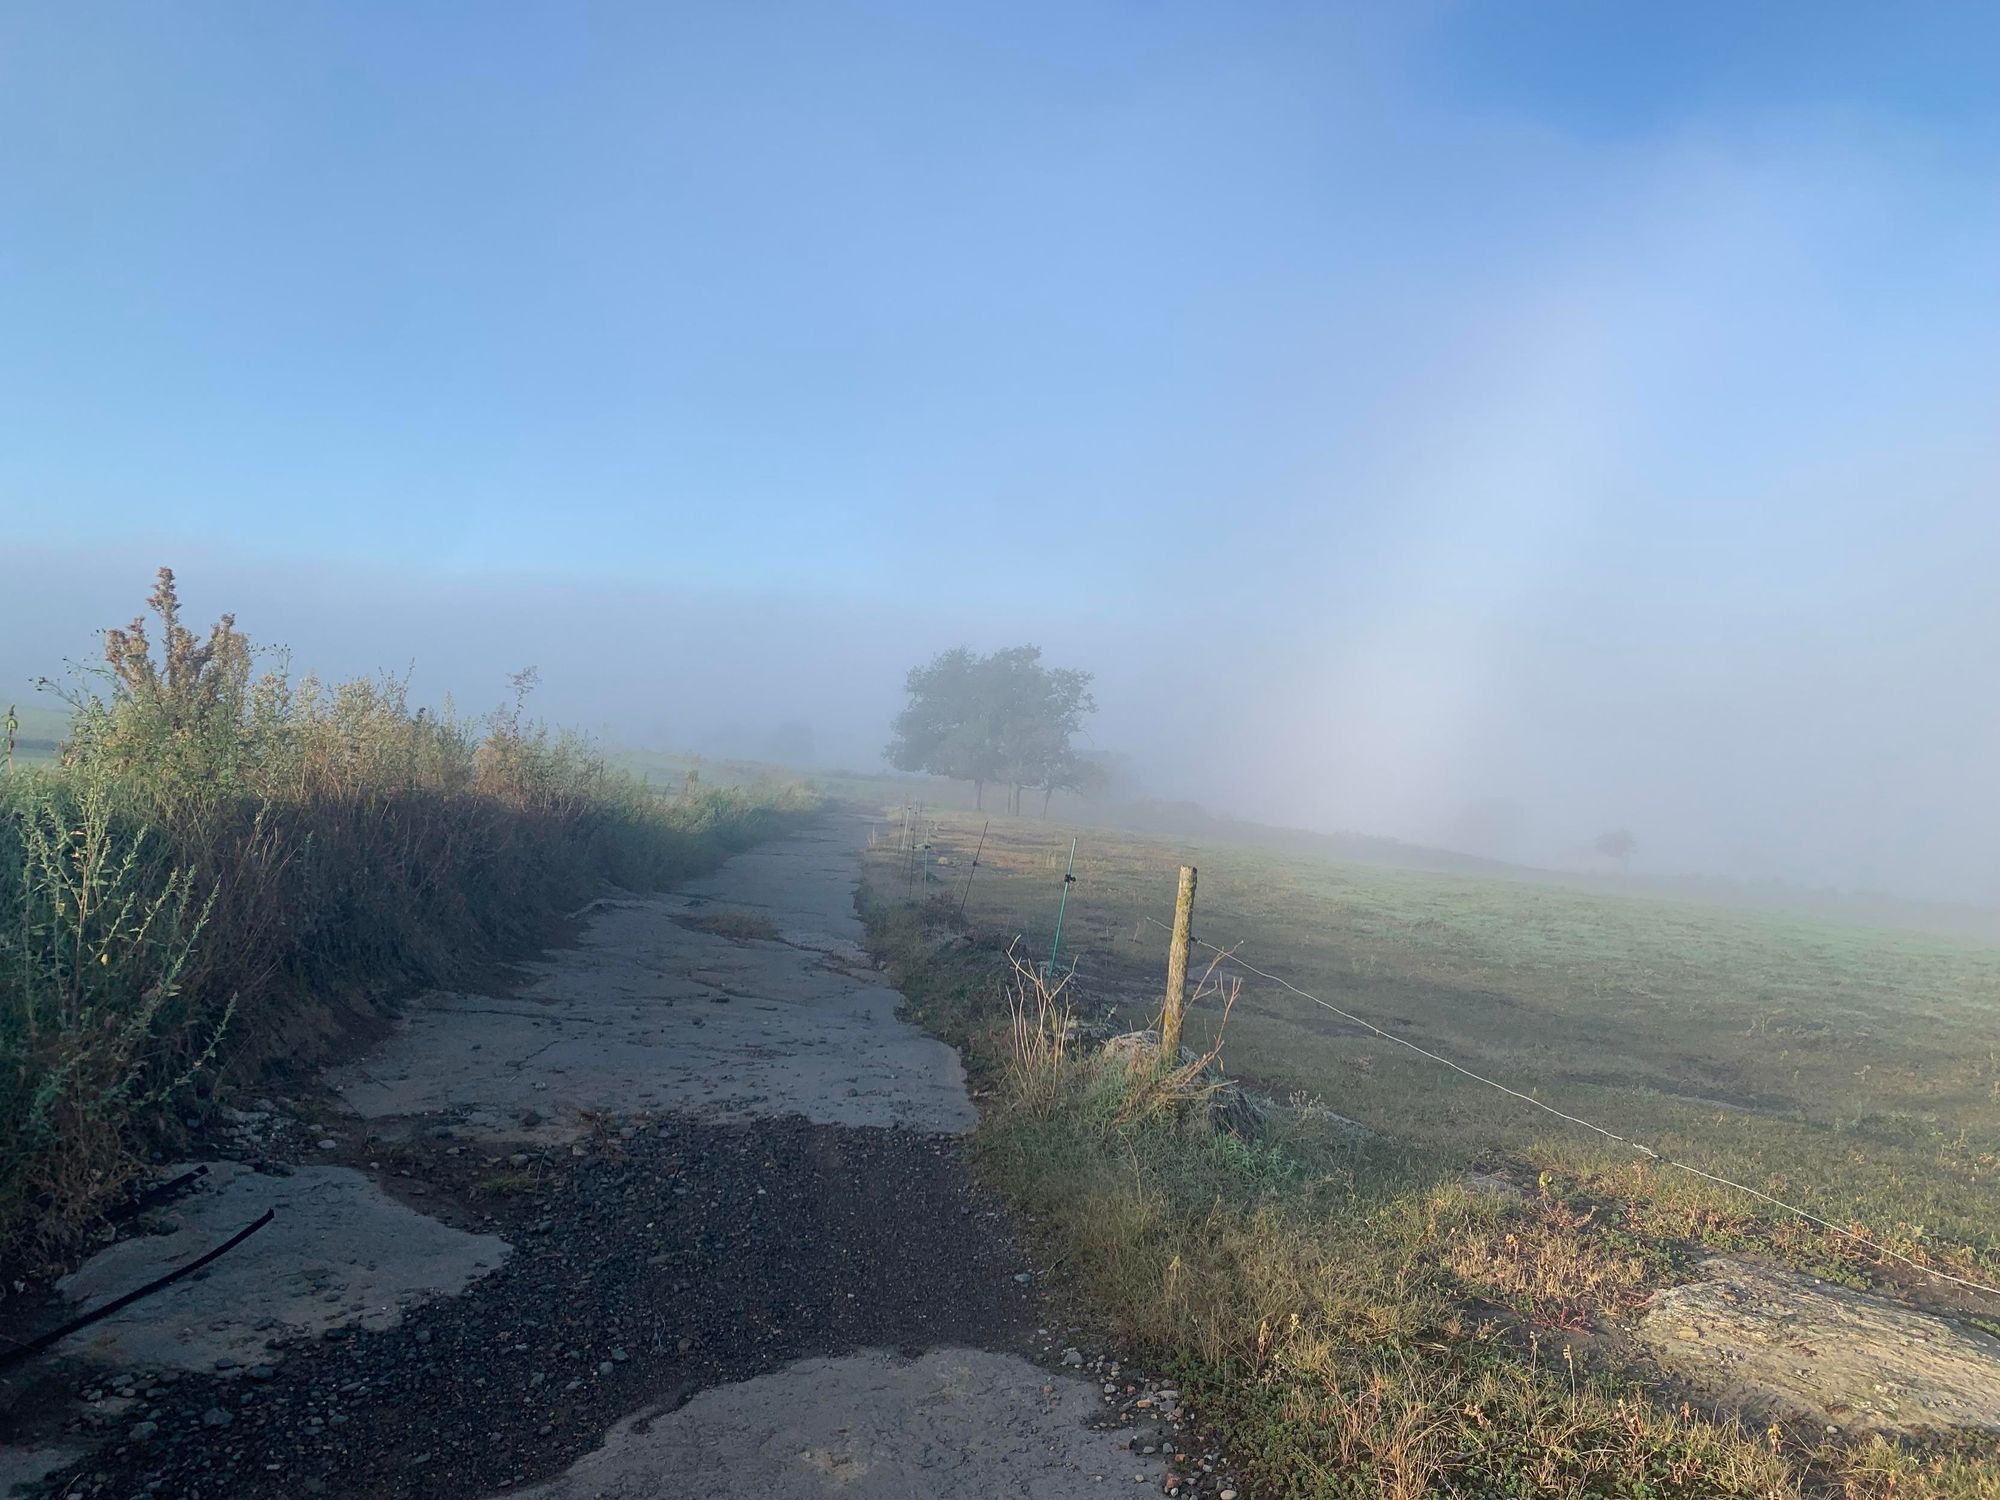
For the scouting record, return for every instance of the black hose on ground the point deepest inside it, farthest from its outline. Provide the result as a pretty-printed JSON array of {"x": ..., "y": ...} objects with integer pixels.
[{"x": 56, "y": 1335}]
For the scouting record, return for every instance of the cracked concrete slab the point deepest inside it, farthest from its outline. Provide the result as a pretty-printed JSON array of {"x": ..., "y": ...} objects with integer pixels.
[
  {"x": 1770, "y": 1342},
  {"x": 23, "y": 1468},
  {"x": 953, "y": 1422},
  {"x": 648, "y": 1012},
  {"x": 338, "y": 1253},
  {"x": 709, "y": 1018}
]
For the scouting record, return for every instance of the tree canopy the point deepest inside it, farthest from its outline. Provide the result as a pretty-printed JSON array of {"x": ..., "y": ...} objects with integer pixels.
[
  {"x": 1617, "y": 844},
  {"x": 1003, "y": 718}
]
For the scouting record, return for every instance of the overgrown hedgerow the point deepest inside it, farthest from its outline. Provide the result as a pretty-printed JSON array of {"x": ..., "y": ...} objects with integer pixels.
[{"x": 228, "y": 869}]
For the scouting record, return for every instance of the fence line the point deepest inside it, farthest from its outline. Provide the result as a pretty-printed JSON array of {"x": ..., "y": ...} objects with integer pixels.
[{"x": 1231, "y": 955}]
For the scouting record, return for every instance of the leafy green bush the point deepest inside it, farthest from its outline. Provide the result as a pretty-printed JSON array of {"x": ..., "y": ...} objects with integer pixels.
[{"x": 96, "y": 936}]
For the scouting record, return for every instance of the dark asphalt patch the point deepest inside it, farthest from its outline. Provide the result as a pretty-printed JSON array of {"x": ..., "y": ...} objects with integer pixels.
[{"x": 643, "y": 1272}]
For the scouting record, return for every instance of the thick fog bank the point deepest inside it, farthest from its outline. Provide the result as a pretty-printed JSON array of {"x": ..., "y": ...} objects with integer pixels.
[{"x": 1858, "y": 760}]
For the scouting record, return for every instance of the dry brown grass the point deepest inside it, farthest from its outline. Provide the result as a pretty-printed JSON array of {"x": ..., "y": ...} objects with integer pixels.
[
  {"x": 1547, "y": 1262},
  {"x": 1040, "y": 1024},
  {"x": 508, "y": 1183}
]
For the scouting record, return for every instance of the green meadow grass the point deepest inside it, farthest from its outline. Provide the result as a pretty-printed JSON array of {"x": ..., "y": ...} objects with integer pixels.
[
  {"x": 1854, "y": 1070},
  {"x": 1351, "y": 1318}
]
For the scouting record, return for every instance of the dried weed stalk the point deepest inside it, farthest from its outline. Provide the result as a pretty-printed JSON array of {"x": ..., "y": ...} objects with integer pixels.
[{"x": 1041, "y": 1020}]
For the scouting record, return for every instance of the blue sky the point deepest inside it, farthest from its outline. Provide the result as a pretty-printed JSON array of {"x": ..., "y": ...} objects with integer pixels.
[{"x": 1587, "y": 406}]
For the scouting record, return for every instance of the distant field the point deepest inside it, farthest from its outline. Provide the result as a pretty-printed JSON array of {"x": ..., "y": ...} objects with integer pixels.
[
  {"x": 1190, "y": 825},
  {"x": 1854, "y": 1071},
  {"x": 669, "y": 770},
  {"x": 38, "y": 733}
]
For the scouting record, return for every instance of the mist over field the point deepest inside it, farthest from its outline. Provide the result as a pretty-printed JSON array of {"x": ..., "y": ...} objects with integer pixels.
[
  {"x": 1481, "y": 434},
  {"x": 1838, "y": 760}
]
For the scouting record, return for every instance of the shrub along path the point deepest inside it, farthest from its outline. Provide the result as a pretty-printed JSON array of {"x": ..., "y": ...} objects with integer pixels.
[{"x": 741, "y": 1242}]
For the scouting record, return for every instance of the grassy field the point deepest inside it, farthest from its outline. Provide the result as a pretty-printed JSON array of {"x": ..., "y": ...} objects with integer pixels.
[{"x": 1354, "y": 1316}]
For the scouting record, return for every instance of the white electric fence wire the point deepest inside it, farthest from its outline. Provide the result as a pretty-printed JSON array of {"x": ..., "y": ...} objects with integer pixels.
[{"x": 1231, "y": 955}]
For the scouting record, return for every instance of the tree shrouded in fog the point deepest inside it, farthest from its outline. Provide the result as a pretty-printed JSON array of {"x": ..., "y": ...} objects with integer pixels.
[
  {"x": 1003, "y": 718},
  {"x": 1618, "y": 844}
]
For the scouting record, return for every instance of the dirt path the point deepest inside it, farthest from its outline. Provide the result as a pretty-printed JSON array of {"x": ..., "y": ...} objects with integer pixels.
[
  {"x": 685, "y": 1212},
  {"x": 652, "y": 1011}
]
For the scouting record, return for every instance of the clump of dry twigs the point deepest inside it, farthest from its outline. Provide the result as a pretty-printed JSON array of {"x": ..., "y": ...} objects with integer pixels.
[{"x": 1193, "y": 1079}]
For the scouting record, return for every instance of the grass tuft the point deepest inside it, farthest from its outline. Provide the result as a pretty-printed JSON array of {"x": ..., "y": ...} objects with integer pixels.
[{"x": 737, "y": 926}]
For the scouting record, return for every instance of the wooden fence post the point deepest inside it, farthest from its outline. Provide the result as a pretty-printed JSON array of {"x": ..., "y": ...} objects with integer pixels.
[{"x": 1177, "y": 965}]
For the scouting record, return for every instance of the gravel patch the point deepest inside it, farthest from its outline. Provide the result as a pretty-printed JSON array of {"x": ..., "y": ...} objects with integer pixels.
[{"x": 686, "y": 1256}]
